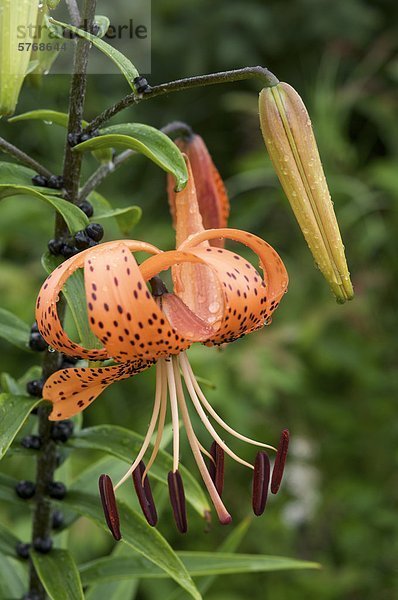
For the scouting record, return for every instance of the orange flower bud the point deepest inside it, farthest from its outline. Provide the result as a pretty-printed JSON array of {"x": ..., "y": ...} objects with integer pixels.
[
  {"x": 210, "y": 190},
  {"x": 16, "y": 22},
  {"x": 292, "y": 147}
]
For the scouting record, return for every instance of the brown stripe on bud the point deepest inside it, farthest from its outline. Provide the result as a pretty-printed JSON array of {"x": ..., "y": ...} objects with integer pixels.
[
  {"x": 177, "y": 499},
  {"x": 280, "y": 460},
  {"x": 144, "y": 494},
  {"x": 109, "y": 505},
  {"x": 261, "y": 476},
  {"x": 216, "y": 467}
]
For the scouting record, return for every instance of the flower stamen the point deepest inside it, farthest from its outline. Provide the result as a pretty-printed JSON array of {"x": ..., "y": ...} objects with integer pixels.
[
  {"x": 261, "y": 476},
  {"x": 280, "y": 461},
  {"x": 144, "y": 494},
  {"x": 217, "y": 417},
  {"x": 177, "y": 499},
  {"x": 109, "y": 505},
  {"x": 216, "y": 467}
]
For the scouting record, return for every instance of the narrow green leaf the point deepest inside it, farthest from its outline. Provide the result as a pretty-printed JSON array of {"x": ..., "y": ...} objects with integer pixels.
[
  {"x": 122, "y": 62},
  {"x": 124, "y": 444},
  {"x": 13, "y": 579},
  {"x": 7, "y": 490},
  {"x": 8, "y": 542},
  {"x": 139, "y": 535},
  {"x": 59, "y": 575},
  {"x": 14, "y": 174},
  {"x": 199, "y": 564},
  {"x": 14, "y": 410},
  {"x": 126, "y": 218},
  {"x": 116, "y": 590},
  {"x": 103, "y": 23},
  {"x": 145, "y": 139},
  {"x": 44, "y": 114},
  {"x": 74, "y": 292},
  {"x": 13, "y": 329},
  {"x": 74, "y": 217}
]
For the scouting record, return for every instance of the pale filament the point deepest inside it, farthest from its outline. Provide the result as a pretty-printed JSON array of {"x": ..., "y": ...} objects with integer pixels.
[
  {"x": 174, "y": 413},
  {"x": 151, "y": 428},
  {"x": 222, "y": 512},
  {"x": 215, "y": 415},
  {"x": 203, "y": 416},
  {"x": 162, "y": 418}
]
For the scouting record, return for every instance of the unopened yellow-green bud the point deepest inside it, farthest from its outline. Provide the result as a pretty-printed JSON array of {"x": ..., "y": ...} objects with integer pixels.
[
  {"x": 290, "y": 141},
  {"x": 17, "y": 22}
]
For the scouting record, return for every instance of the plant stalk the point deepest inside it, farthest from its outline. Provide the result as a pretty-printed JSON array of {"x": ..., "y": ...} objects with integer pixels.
[
  {"x": 47, "y": 459},
  {"x": 23, "y": 158},
  {"x": 179, "y": 85}
]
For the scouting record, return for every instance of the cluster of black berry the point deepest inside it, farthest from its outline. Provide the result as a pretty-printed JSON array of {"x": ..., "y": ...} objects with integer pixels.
[{"x": 86, "y": 238}]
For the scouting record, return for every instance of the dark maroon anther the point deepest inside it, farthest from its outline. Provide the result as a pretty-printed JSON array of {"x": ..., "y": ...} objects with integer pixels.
[
  {"x": 216, "y": 468},
  {"x": 177, "y": 499},
  {"x": 144, "y": 494},
  {"x": 261, "y": 475},
  {"x": 109, "y": 505},
  {"x": 280, "y": 460}
]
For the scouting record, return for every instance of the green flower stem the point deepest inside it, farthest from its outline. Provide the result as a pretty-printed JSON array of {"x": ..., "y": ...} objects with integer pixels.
[
  {"x": 23, "y": 158},
  {"x": 47, "y": 458},
  {"x": 268, "y": 80}
]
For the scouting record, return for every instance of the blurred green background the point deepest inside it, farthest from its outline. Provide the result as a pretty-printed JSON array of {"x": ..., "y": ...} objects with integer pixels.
[{"x": 327, "y": 372}]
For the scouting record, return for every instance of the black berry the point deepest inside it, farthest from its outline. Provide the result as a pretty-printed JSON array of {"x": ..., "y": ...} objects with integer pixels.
[
  {"x": 82, "y": 240},
  {"x": 32, "y": 442},
  {"x": 95, "y": 231},
  {"x": 62, "y": 431},
  {"x": 67, "y": 251},
  {"x": 22, "y": 550},
  {"x": 141, "y": 85},
  {"x": 37, "y": 342},
  {"x": 56, "y": 490},
  {"x": 56, "y": 182},
  {"x": 57, "y": 519},
  {"x": 42, "y": 545},
  {"x": 54, "y": 246},
  {"x": 35, "y": 388},
  {"x": 40, "y": 180},
  {"x": 87, "y": 208},
  {"x": 73, "y": 138},
  {"x": 25, "y": 489}
]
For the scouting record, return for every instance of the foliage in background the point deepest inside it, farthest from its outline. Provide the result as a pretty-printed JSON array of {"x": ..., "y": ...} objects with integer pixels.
[{"x": 325, "y": 371}]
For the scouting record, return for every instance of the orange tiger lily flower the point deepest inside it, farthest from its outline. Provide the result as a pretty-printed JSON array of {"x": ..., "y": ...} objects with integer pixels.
[{"x": 218, "y": 297}]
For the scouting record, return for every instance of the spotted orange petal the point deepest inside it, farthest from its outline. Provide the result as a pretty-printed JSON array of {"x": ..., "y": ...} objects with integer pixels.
[
  {"x": 72, "y": 390},
  {"x": 249, "y": 299},
  {"x": 122, "y": 312},
  {"x": 46, "y": 306},
  {"x": 211, "y": 193}
]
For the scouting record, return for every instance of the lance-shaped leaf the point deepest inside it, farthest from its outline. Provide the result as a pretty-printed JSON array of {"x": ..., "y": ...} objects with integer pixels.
[
  {"x": 73, "y": 216},
  {"x": 291, "y": 144},
  {"x": 13, "y": 579},
  {"x": 122, "y": 62},
  {"x": 13, "y": 329},
  {"x": 14, "y": 410},
  {"x": 144, "y": 539},
  {"x": 58, "y": 573},
  {"x": 8, "y": 542},
  {"x": 13, "y": 63},
  {"x": 199, "y": 564},
  {"x": 126, "y": 218},
  {"x": 124, "y": 444},
  {"x": 145, "y": 139}
]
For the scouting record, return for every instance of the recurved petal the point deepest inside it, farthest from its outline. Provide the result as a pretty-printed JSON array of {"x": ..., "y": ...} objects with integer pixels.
[
  {"x": 211, "y": 193},
  {"x": 46, "y": 305},
  {"x": 122, "y": 311},
  {"x": 248, "y": 298},
  {"x": 72, "y": 390}
]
